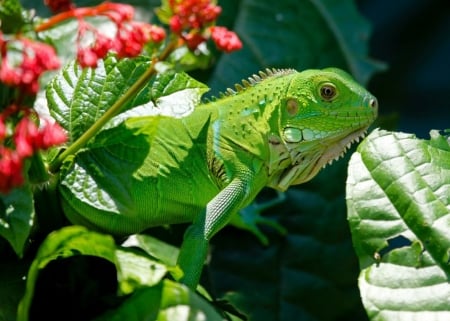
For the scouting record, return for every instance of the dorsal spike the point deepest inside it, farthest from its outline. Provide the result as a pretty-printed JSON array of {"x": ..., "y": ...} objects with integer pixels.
[
  {"x": 252, "y": 81},
  {"x": 262, "y": 74},
  {"x": 257, "y": 78},
  {"x": 238, "y": 87},
  {"x": 246, "y": 83},
  {"x": 230, "y": 91}
]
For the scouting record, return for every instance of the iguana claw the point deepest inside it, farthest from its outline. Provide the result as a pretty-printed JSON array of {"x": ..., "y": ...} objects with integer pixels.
[{"x": 250, "y": 217}]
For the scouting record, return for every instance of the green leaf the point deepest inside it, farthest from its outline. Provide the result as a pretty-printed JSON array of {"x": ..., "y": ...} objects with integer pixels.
[
  {"x": 166, "y": 301},
  {"x": 298, "y": 34},
  {"x": 11, "y": 16},
  {"x": 138, "y": 276},
  {"x": 180, "y": 303},
  {"x": 78, "y": 97},
  {"x": 142, "y": 305},
  {"x": 135, "y": 270},
  {"x": 102, "y": 175},
  {"x": 64, "y": 243},
  {"x": 16, "y": 217},
  {"x": 399, "y": 214},
  {"x": 164, "y": 252}
]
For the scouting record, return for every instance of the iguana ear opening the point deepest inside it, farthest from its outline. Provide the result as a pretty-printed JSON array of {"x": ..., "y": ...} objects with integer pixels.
[{"x": 292, "y": 106}]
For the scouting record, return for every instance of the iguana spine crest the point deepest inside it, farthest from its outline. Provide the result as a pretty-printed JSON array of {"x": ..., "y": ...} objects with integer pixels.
[{"x": 254, "y": 80}]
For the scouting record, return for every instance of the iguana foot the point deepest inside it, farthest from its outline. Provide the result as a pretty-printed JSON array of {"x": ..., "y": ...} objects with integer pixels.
[{"x": 250, "y": 217}]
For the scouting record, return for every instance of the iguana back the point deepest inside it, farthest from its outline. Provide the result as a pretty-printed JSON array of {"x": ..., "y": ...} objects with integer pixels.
[{"x": 189, "y": 160}]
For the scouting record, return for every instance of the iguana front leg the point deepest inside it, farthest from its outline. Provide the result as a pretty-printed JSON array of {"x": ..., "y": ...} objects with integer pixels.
[{"x": 217, "y": 214}]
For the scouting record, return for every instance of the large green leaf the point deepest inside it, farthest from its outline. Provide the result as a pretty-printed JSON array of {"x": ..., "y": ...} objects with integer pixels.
[
  {"x": 168, "y": 301},
  {"x": 102, "y": 176},
  {"x": 134, "y": 269},
  {"x": 78, "y": 97},
  {"x": 59, "y": 245},
  {"x": 399, "y": 212},
  {"x": 134, "y": 292},
  {"x": 297, "y": 34}
]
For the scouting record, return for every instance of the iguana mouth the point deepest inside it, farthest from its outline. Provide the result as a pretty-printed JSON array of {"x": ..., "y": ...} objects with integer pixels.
[{"x": 305, "y": 165}]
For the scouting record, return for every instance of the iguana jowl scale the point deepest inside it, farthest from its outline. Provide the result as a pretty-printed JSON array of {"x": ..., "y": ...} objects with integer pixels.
[{"x": 277, "y": 129}]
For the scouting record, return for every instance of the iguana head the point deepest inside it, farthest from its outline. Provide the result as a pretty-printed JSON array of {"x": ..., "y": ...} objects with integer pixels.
[{"x": 322, "y": 113}]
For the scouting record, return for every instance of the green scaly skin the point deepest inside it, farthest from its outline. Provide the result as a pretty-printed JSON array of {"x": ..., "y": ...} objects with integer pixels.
[{"x": 278, "y": 129}]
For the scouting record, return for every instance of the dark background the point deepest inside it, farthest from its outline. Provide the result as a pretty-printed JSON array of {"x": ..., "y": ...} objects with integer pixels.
[{"x": 413, "y": 38}]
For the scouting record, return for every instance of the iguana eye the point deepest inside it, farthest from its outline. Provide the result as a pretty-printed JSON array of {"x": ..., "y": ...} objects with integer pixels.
[{"x": 328, "y": 92}]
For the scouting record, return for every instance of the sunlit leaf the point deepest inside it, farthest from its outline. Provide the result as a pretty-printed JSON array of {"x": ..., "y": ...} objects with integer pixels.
[{"x": 399, "y": 212}]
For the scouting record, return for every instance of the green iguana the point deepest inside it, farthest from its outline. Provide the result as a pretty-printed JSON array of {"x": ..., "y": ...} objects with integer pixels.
[{"x": 278, "y": 129}]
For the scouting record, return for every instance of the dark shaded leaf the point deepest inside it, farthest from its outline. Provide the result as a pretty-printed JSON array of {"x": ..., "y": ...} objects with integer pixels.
[{"x": 16, "y": 217}]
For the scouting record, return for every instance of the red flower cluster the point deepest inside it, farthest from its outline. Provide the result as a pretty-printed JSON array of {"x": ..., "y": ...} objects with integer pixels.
[
  {"x": 130, "y": 38},
  {"x": 22, "y": 141},
  {"x": 36, "y": 58},
  {"x": 193, "y": 21},
  {"x": 225, "y": 40},
  {"x": 192, "y": 14}
]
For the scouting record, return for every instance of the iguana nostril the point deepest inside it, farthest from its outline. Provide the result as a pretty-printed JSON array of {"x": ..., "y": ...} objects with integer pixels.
[{"x": 373, "y": 103}]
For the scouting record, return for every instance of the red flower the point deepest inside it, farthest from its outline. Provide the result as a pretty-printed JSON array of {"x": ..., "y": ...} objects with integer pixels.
[
  {"x": 2, "y": 129},
  {"x": 193, "y": 21},
  {"x": 130, "y": 38},
  {"x": 157, "y": 34},
  {"x": 10, "y": 170},
  {"x": 87, "y": 57},
  {"x": 50, "y": 135},
  {"x": 25, "y": 136},
  {"x": 26, "y": 140},
  {"x": 193, "y": 40},
  {"x": 58, "y": 5},
  {"x": 192, "y": 14},
  {"x": 175, "y": 24},
  {"x": 117, "y": 12},
  {"x": 36, "y": 58},
  {"x": 225, "y": 40}
]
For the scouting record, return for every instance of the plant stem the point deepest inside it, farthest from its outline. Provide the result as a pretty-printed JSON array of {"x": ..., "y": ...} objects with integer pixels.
[
  {"x": 100, "y": 9},
  {"x": 113, "y": 110}
]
